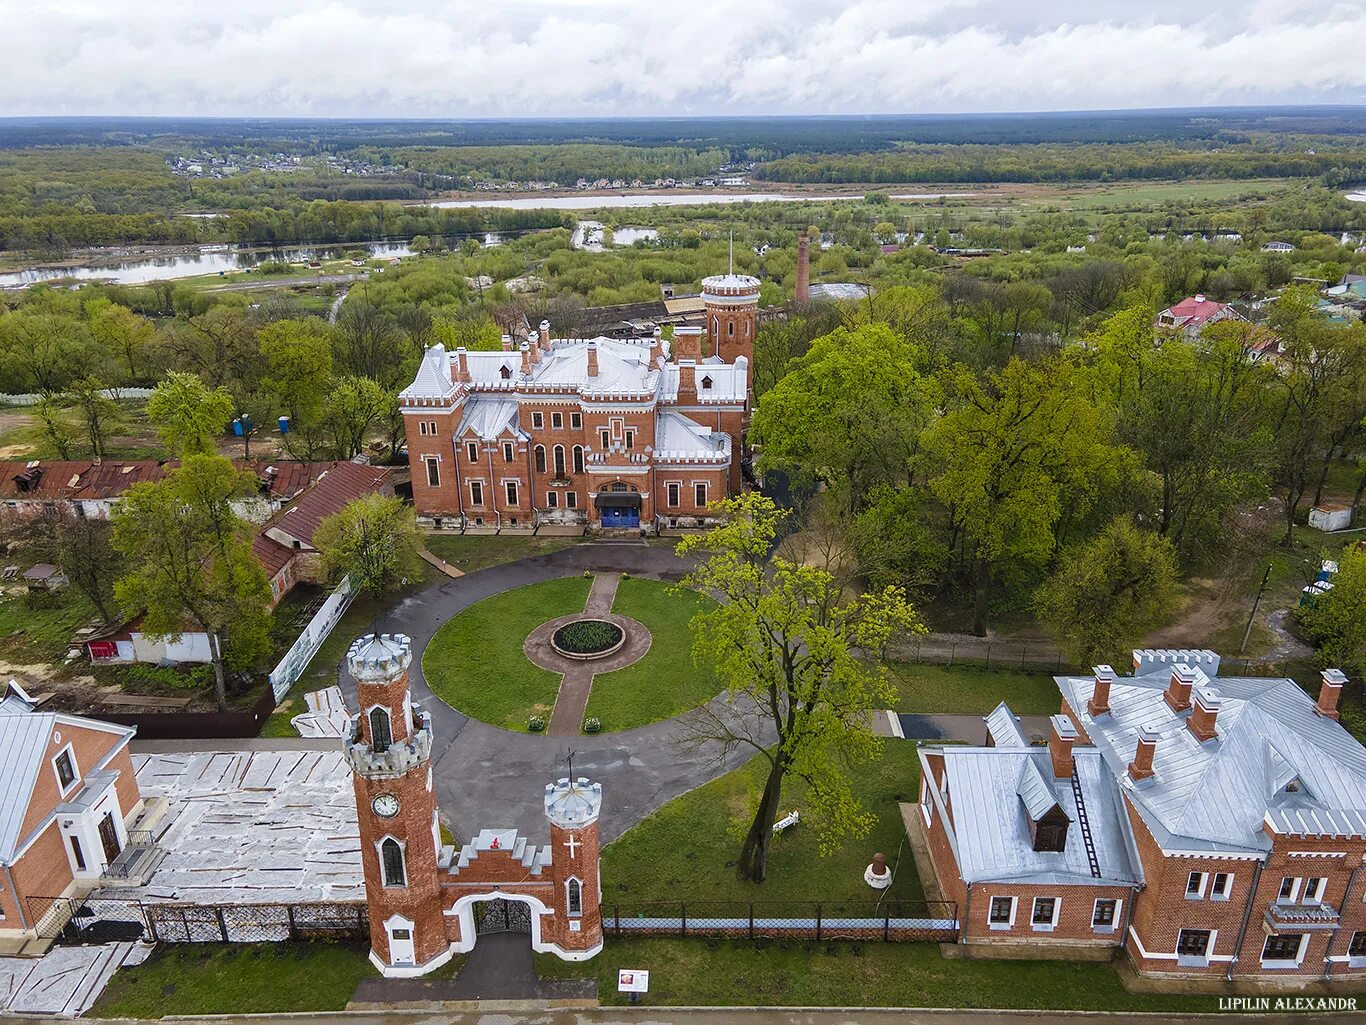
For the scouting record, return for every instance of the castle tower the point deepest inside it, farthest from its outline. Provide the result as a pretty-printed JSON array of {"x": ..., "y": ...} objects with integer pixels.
[
  {"x": 732, "y": 304},
  {"x": 389, "y": 751},
  {"x": 573, "y": 809}
]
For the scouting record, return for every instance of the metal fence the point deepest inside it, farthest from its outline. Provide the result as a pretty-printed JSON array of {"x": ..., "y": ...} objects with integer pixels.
[
  {"x": 33, "y": 398},
  {"x": 70, "y": 920},
  {"x": 301, "y": 652},
  {"x": 887, "y": 921}
]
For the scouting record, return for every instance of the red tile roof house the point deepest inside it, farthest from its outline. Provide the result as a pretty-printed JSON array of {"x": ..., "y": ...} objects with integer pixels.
[
  {"x": 283, "y": 544},
  {"x": 1212, "y": 826},
  {"x": 1190, "y": 316},
  {"x": 69, "y": 806}
]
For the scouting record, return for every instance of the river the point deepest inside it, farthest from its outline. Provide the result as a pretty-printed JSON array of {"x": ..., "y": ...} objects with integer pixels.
[{"x": 661, "y": 198}]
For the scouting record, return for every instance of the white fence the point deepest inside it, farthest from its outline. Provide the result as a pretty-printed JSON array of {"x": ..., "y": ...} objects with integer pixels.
[
  {"x": 32, "y": 398},
  {"x": 296, "y": 660}
]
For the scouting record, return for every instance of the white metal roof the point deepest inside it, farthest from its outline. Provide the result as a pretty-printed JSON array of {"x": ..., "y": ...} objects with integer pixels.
[
  {"x": 679, "y": 439},
  {"x": 488, "y": 416},
  {"x": 1004, "y": 727},
  {"x": 1218, "y": 793},
  {"x": 990, "y": 829}
]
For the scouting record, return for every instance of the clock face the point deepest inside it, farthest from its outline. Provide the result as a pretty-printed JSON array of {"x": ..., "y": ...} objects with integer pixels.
[{"x": 385, "y": 805}]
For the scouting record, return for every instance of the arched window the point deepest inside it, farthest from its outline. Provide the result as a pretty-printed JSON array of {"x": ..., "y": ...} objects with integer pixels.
[
  {"x": 574, "y": 897},
  {"x": 578, "y": 459},
  {"x": 391, "y": 861},
  {"x": 730, "y": 328},
  {"x": 540, "y": 459},
  {"x": 381, "y": 736},
  {"x": 559, "y": 460},
  {"x": 618, "y": 486}
]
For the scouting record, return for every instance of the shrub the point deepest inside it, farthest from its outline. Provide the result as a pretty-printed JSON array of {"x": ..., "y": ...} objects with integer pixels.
[
  {"x": 592, "y": 724},
  {"x": 535, "y": 724},
  {"x": 587, "y": 636}
]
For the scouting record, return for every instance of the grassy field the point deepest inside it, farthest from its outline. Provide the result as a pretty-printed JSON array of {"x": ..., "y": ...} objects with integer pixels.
[
  {"x": 971, "y": 691},
  {"x": 719, "y": 972},
  {"x": 470, "y": 552},
  {"x": 664, "y": 683},
  {"x": 43, "y": 633},
  {"x": 476, "y": 663},
  {"x": 203, "y": 978},
  {"x": 1146, "y": 194},
  {"x": 686, "y": 849}
]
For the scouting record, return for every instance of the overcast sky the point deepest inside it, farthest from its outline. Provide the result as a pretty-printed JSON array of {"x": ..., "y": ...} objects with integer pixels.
[{"x": 454, "y": 58}]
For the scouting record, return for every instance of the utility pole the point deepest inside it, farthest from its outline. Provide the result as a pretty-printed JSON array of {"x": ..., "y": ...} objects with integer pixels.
[{"x": 1253, "y": 614}]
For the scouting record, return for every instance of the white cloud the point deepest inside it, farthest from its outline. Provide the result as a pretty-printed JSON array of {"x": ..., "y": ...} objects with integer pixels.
[{"x": 566, "y": 57}]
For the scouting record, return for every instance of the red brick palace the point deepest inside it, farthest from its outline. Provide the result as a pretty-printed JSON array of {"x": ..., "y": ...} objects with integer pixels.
[{"x": 633, "y": 433}]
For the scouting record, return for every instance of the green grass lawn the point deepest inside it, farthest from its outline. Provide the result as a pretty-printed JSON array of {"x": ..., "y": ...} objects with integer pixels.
[
  {"x": 476, "y": 663},
  {"x": 43, "y": 633},
  {"x": 470, "y": 552},
  {"x": 971, "y": 691},
  {"x": 687, "y": 848},
  {"x": 721, "y": 972},
  {"x": 664, "y": 683},
  {"x": 203, "y": 978}
]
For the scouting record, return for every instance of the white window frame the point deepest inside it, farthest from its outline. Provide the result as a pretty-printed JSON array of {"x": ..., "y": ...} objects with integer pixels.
[
  {"x": 433, "y": 470},
  {"x": 509, "y": 451},
  {"x": 422, "y": 428},
  {"x": 571, "y": 500},
  {"x": 538, "y": 420},
  {"x": 538, "y": 456},
  {"x": 673, "y": 494},
  {"x": 403, "y": 853},
  {"x": 576, "y": 463},
  {"x": 431, "y": 428},
  {"x": 568, "y": 906},
  {"x": 1313, "y": 894},
  {"x": 1280, "y": 963},
  {"x": 576, "y": 421},
  {"x": 70, "y": 752},
  {"x": 926, "y": 805},
  {"x": 617, "y": 425},
  {"x": 472, "y": 451},
  {"x": 558, "y": 466},
  {"x": 511, "y": 492},
  {"x": 557, "y": 421},
  {"x": 1010, "y": 922},
  {"x": 1194, "y": 960},
  {"x": 1355, "y": 960},
  {"x": 1114, "y": 925},
  {"x": 1045, "y": 926},
  {"x": 1200, "y": 878},
  {"x": 552, "y": 499},
  {"x": 1215, "y": 893},
  {"x": 479, "y": 485},
  {"x": 1295, "y": 883}
]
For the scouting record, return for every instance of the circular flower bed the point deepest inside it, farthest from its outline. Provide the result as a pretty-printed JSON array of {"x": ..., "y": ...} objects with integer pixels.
[{"x": 588, "y": 638}]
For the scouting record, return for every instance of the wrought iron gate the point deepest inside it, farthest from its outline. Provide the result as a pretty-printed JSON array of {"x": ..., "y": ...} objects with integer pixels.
[{"x": 500, "y": 915}]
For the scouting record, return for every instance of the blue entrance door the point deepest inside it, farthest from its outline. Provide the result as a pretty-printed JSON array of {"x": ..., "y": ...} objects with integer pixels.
[{"x": 620, "y": 516}]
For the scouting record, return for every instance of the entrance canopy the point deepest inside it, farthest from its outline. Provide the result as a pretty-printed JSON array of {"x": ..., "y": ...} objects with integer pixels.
[{"x": 618, "y": 500}]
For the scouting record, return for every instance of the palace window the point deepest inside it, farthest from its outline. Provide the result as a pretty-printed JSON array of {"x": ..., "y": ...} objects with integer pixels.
[
  {"x": 630, "y": 439},
  {"x": 576, "y": 421},
  {"x": 510, "y": 487},
  {"x": 557, "y": 420},
  {"x": 472, "y": 450},
  {"x": 1357, "y": 947},
  {"x": 1313, "y": 890},
  {"x": 1045, "y": 914},
  {"x": 507, "y": 452},
  {"x": 1283, "y": 946},
  {"x": 700, "y": 495},
  {"x": 552, "y": 499},
  {"x": 706, "y": 383},
  {"x": 574, "y": 897},
  {"x": 433, "y": 471},
  {"x": 80, "y": 854},
  {"x": 1103, "y": 915},
  {"x": 65, "y": 767},
  {"x": 571, "y": 499},
  {"x": 538, "y": 420},
  {"x": 559, "y": 460},
  {"x": 1192, "y": 943},
  {"x": 1290, "y": 886},
  {"x": 578, "y": 459},
  {"x": 476, "y": 492},
  {"x": 381, "y": 735},
  {"x": 505, "y": 372},
  {"x": 1195, "y": 885},
  {"x": 606, "y": 440},
  {"x": 391, "y": 860},
  {"x": 540, "y": 459},
  {"x": 1222, "y": 886},
  {"x": 1002, "y": 912},
  {"x": 673, "y": 489}
]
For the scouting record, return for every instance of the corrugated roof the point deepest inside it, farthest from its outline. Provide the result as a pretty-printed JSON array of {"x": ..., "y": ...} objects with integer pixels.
[
  {"x": 679, "y": 439},
  {"x": 340, "y": 485},
  {"x": 86, "y": 479},
  {"x": 488, "y": 416},
  {"x": 1219, "y": 792},
  {"x": 1004, "y": 727}
]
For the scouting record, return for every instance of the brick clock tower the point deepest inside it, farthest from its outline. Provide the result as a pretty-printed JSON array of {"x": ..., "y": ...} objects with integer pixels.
[
  {"x": 420, "y": 896},
  {"x": 389, "y": 752}
]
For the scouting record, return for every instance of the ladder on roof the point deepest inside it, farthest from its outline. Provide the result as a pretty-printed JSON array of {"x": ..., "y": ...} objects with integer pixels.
[{"x": 1085, "y": 824}]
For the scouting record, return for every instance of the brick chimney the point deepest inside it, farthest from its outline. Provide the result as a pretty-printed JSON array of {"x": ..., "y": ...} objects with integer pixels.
[
  {"x": 1178, "y": 692},
  {"x": 687, "y": 381},
  {"x": 535, "y": 347},
  {"x": 1330, "y": 691},
  {"x": 526, "y": 357},
  {"x": 656, "y": 346},
  {"x": 1206, "y": 713},
  {"x": 462, "y": 365},
  {"x": 592, "y": 359},
  {"x": 802, "y": 292},
  {"x": 545, "y": 336},
  {"x": 1060, "y": 746},
  {"x": 687, "y": 344},
  {"x": 1100, "y": 696},
  {"x": 507, "y": 343},
  {"x": 1141, "y": 767}
]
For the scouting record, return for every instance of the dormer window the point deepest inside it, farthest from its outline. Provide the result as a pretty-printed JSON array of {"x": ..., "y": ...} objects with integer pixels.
[
  {"x": 505, "y": 372},
  {"x": 706, "y": 383},
  {"x": 1293, "y": 787}
]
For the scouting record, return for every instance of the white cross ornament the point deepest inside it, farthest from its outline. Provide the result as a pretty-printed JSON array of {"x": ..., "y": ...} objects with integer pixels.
[{"x": 573, "y": 844}]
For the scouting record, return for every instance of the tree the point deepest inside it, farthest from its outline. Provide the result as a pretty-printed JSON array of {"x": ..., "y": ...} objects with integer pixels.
[
  {"x": 190, "y": 562},
  {"x": 59, "y": 434},
  {"x": 802, "y": 666},
  {"x": 374, "y": 541},
  {"x": 1337, "y": 620},
  {"x": 82, "y": 548},
  {"x": 1107, "y": 592},
  {"x": 1015, "y": 448},
  {"x": 298, "y": 367},
  {"x": 44, "y": 351},
  {"x": 849, "y": 413},
  {"x": 189, "y": 417},
  {"x": 124, "y": 334},
  {"x": 99, "y": 413},
  {"x": 354, "y": 407}
]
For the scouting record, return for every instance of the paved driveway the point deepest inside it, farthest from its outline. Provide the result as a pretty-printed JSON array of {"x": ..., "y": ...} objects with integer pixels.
[{"x": 488, "y": 777}]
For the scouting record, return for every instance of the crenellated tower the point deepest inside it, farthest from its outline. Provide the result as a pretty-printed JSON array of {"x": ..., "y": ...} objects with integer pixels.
[{"x": 572, "y": 806}]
